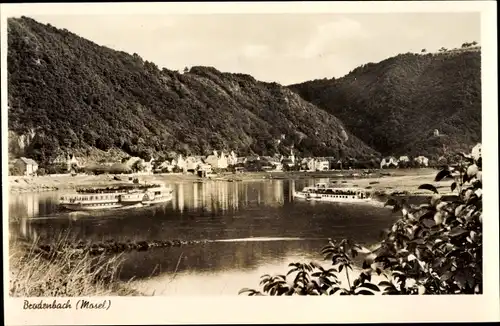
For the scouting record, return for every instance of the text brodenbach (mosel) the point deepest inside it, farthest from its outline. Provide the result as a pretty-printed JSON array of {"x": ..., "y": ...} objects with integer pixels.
[{"x": 56, "y": 304}]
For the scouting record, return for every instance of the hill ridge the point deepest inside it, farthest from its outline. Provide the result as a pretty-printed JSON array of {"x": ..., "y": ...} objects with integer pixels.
[
  {"x": 67, "y": 93},
  {"x": 403, "y": 99}
]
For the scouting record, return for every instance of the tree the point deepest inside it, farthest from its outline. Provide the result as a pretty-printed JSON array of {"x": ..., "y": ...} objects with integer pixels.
[
  {"x": 119, "y": 168},
  {"x": 138, "y": 166},
  {"x": 434, "y": 248},
  {"x": 89, "y": 137},
  {"x": 15, "y": 171},
  {"x": 104, "y": 143}
]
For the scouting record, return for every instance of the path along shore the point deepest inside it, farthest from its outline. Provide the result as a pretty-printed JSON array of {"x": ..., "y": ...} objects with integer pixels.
[{"x": 386, "y": 181}]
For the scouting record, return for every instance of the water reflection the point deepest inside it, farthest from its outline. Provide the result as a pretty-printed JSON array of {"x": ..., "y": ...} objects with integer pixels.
[
  {"x": 214, "y": 257},
  {"x": 215, "y": 211},
  {"x": 223, "y": 197},
  {"x": 32, "y": 205},
  {"x": 209, "y": 210}
]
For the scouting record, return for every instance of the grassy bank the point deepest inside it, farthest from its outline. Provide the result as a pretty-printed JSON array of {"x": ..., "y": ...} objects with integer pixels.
[{"x": 34, "y": 273}]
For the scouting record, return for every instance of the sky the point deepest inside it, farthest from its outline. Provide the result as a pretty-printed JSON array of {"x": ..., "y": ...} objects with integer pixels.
[{"x": 285, "y": 48}]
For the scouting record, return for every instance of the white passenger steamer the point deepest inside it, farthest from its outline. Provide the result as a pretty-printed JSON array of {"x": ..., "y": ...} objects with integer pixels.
[
  {"x": 329, "y": 193},
  {"x": 116, "y": 196}
]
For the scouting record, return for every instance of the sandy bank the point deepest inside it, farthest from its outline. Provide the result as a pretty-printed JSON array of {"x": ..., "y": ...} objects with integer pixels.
[{"x": 57, "y": 182}]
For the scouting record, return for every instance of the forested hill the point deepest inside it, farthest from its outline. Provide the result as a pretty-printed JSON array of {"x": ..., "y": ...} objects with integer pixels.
[
  {"x": 66, "y": 92},
  {"x": 395, "y": 105}
]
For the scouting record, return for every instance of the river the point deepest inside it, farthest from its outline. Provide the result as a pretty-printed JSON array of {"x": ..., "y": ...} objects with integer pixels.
[{"x": 257, "y": 228}]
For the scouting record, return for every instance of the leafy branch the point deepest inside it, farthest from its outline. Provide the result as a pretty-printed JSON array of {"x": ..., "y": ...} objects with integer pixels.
[{"x": 434, "y": 248}]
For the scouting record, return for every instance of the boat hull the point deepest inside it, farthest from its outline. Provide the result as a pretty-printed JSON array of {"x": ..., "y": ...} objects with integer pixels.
[
  {"x": 85, "y": 207},
  {"x": 158, "y": 201},
  {"x": 110, "y": 206}
]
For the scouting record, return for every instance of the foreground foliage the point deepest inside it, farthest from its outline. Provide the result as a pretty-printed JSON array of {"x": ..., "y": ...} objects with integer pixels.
[
  {"x": 34, "y": 273},
  {"x": 434, "y": 248}
]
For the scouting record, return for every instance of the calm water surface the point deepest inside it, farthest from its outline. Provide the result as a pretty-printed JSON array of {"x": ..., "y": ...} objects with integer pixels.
[{"x": 258, "y": 228}]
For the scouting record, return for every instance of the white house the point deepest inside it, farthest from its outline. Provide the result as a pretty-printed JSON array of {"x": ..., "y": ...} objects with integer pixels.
[
  {"x": 181, "y": 163},
  {"x": 145, "y": 167},
  {"x": 132, "y": 160},
  {"x": 61, "y": 159},
  {"x": 148, "y": 167},
  {"x": 27, "y": 166},
  {"x": 275, "y": 162},
  {"x": 476, "y": 151},
  {"x": 278, "y": 166},
  {"x": 292, "y": 157},
  {"x": 232, "y": 159},
  {"x": 315, "y": 164},
  {"x": 67, "y": 160},
  {"x": 303, "y": 163},
  {"x": 212, "y": 159},
  {"x": 205, "y": 167},
  {"x": 217, "y": 161},
  {"x": 404, "y": 159},
  {"x": 387, "y": 161},
  {"x": 311, "y": 165},
  {"x": 192, "y": 163},
  {"x": 166, "y": 165},
  {"x": 288, "y": 162},
  {"x": 321, "y": 165},
  {"x": 422, "y": 160},
  {"x": 222, "y": 162}
]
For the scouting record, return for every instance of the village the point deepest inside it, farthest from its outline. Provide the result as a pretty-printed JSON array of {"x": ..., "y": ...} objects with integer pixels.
[{"x": 209, "y": 166}]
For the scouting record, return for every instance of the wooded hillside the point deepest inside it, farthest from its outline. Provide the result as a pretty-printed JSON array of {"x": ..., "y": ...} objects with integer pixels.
[
  {"x": 66, "y": 92},
  {"x": 395, "y": 105}
]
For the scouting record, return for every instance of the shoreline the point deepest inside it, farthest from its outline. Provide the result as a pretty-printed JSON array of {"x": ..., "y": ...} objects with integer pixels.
[{"x": 384, "y": 181}]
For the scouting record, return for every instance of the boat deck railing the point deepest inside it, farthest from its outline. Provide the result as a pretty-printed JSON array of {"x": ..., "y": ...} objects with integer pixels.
[{"x": 96, "y": 190}]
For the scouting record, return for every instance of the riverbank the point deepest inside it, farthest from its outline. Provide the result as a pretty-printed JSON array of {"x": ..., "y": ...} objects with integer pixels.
[
  {"x": 384, "y": 181},
  {"x": 34, "y": 273},
  {"x": 62, "y": 182}
]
